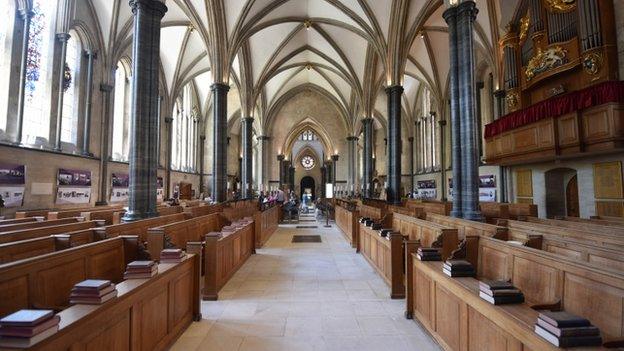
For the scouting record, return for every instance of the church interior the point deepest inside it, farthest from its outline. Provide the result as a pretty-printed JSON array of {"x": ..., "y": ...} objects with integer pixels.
[{"x": 254, "y": 175}]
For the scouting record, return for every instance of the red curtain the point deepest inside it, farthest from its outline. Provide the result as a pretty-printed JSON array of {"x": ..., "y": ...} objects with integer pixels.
[{"x": 559, "y": 105}]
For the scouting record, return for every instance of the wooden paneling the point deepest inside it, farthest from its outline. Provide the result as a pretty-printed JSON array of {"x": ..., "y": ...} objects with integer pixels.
[
  {"x": 608, "y": 180},
  {"x": 266, "y": 223},
  {"x": 524, "y": 181},
  {"x": 610, "y": 208}
]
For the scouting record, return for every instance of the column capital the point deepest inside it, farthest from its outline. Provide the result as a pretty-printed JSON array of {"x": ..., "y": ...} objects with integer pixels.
[
  {"x": 480, "y": 85},
  {"x": 500, "y": 93},
  {"x": 202, "y": 138},
  {"x": 367, "y": 120},
  {"x": 168, "y": 119},
  {"x": 220, "y": 87},
  {"x": 442, "y": 122},
  {"x": 89, "y": 53},
  {"x": 450, "y": 14},
  {"x": 247, "y": 120},
  {"x": 63, "y": 37},
  {"x": 157, "y": 7},
  {"x": 263, "y": 137},
  {"x": 352, "y": 138},
  {"x": 281, "y": 157},
  {"x": 26, "y": 13},
  {"x": 334, "y": 158},
  {"x": 394, "y": 89},
  {"x": 469, "y": 8}
]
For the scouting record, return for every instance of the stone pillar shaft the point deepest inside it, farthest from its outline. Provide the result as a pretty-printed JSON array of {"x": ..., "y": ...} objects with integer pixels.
[
  {"x": 466, "y": 15},
  {"x": 106, "y": 90},
  {"x": 394, "y": 144},
  {"x": 352, "y": 147},
  {"x": 323, "y": 181},
  {"x": 411, "y": 162},
  {"x": 202, "y": 145},
  {"x": 246, "y": 176},
  {"x": 368, "y": 156},
  {"x": 334, "y": 171},
  {"x": 144, "y": 109},
  {"x": 264, "y": 152},
  {"x": 219, "y": 163},
  {"x": 169, "y": 123},
  {"x": 63, "y": 38},
  {"x": 280, "y": 159},
  {"x": 86, "y": 134},
  {"x": 26, "y": 17},
  {"x": 450, "y": 15}
]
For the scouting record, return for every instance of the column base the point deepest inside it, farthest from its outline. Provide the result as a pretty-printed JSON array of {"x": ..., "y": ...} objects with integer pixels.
[
  {"x": 473, "y": 216},
  {"x": 456, "y": 214},
  {"x": 132, "y": 216}
]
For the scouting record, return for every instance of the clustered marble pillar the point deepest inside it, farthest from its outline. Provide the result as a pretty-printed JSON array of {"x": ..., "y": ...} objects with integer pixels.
[
  {"x": 264, "y": 160},
  {"x": 106, "y": 90},
  {"x": 219, "y": 161},
  {"x": 280, "y": 159},
  {"x": 63, "y": 38},
  {"x": 352, "y": 147},
  {"x": 394, "y": 144},
  {"x": 86, "y": 133},
  {"x": 323, "y": 180},
  {"x": 144, "y": 109},
  {"x": 367, "y": 124},
  {"x": 247, "y": 134},
  {"x": 464, "y": 128},
  {"x": 411, "y": 162},
  {"x": 202, "y": 145}
]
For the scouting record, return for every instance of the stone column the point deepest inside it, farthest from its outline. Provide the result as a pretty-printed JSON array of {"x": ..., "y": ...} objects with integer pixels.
[
  {"x": 442, "y": 124},
  {"x": 411, "y": 162},
  {"x": 106, "y": 90},
  {"x": 63, "y": 38},
  {"x": 247, "y": 142},
  {"x": 450, "y": 15},
  {"x": 86, "y": 133},
  {"x": 334, "y": 171},
  {"x": 280, "y": 159},
  {"x": 144, "y": 109},
  {"x": 480, "y": 86},
  {"x": 352, "y": 147},
  {"x": 368, "y": 156},
  {"x": 499, "y": 99},
  {"x": 291, "y": 175},
  {"x": 466, "y": 15},
  {"x": 26, "y": 15},
  {"x": 264, "y": 152},
  {"x": 169, "y": 126},
  {"x": 219, "y": 163},
  {"x": 323, "y": 180},
  {"x": 394, "y": 144},
  {"x": 202, "y": 145}
]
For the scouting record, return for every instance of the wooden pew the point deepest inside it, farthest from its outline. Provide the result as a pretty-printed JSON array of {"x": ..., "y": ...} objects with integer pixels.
[
  {"x": 45, "y": 281},
  {"x": 32, "y": 233},
  {"x": 180, "y": 233},
  {"x": 38, "y": 224},
  {"x": 430, "y": 206},
  {"x": 265, "y": 224},
  {"x": 140, "y": 227},
  {"x": 608, "y": 218},
  {"x": 239, "y": 209},
  {"x": 18, "y": 250},
  {"x": 374, "y": 213},
  {"x": 347, "y": 216},
  {"x": 518, "y": 210},
  {"x": 21, "y": 220},
  {"x": 77, "y": 212},
  {"x": 599, "y": 239},
  {"x": 493, "y": 210},
  {"x": 586, "y": 226},
  {"x": 386, "y": 254},
  {"x": 599, "y": 221},
  {"x": 452, "y": 311},
  {"x": 148, "y": 314},
  {"x": 224, "y": 255},
  {"x": 203, "y": 210}
]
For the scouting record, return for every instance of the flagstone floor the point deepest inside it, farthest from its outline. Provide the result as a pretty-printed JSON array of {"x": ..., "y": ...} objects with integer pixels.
[{"x": 305, "y": 296}]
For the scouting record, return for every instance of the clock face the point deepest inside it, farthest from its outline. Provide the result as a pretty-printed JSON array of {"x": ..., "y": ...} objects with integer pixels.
[{"x": 307, "y": 162}]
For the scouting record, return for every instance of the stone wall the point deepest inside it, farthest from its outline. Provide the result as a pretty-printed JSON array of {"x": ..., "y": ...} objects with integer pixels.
[{"x": 619, "y": 23}]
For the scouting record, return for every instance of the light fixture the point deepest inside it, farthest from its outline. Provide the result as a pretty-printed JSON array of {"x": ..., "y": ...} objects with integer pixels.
[
  {"x": 307, "y": 24},
  {"x": 421, "y": 35},
  {"x": 451, "y": 3},
  {"x": 308, "y": 66}
]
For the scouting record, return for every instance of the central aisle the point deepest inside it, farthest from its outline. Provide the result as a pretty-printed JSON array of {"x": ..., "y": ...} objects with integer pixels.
[{"x": 305, "y": 296}]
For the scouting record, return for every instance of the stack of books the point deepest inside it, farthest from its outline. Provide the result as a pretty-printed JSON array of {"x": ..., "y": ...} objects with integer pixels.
[
  {"x": 171, "y": 256},
  {"x": 428, "y": 254},
  {"x": 141, "y": 270},
  {"x": 92, "y": 292},
  {"x": 25, "y": 328},
  {"x": 368, "y": 223},
  {"x": 364, "y": 219},
  {"x": 499, "y": 292},
  {"x": 564, "y": 329},
  {"x": 376, "y": 226},
  {"x": 385, "y": 231},
  {"x": 458, "y": 268}
]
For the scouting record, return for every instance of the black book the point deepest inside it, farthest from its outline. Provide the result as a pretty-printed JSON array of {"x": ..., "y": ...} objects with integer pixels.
[
  {"x": 502, "y": 300},
  {"x": 501, "y": 292},
  {"x": 459, "y": 274},
  {"x": 563, "y": 319},
  {"x": 376, "y": 226},
  {"x": 428, "y": 249},
  {"x": 458, "y": 268},
  {"x": 495, "y": 285},
  {"x": 457, "y": 263},
  {"x": 572, "y": 331},
  {"x": 568, "y": 341},
  {"x": 428, "y": 258}
]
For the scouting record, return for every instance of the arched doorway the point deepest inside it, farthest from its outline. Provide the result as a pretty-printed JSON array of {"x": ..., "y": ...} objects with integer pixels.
[
  {"x": 561, "y": 193},
  {"x": 308, "y": 186}
]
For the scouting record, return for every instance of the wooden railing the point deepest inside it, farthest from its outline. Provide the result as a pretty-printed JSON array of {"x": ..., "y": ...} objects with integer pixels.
[{"x": 265, "y": 224}]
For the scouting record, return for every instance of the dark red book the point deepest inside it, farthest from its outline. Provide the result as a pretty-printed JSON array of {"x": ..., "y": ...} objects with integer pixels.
[
  {"x": 95, "y": 300},
  {"x": 92, "y": 293},
  {"x": 26, "y": 318},
  {"x": 563, "y": 319},
  {"x": 23, "y": 343},
  {"x": 30, "y": 331},
  {"x": 572, "y": 331},
  {"x": 92, "y": 284},
  {"x": 140, "y": 264}
]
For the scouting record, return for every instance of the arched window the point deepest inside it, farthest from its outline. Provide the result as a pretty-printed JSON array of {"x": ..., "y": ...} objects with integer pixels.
[
  {"x": 184, "y": 131},
  {"x": 7, "y": 13},
  {"x": 36, "y": 128},
  {"x": 71, "y": 88},
  {"x": 427, "y": 134},
  {"x": 120, "y": 114},
  {"x": 307, "y": 135},
  {"x": 307, "y": 162}
]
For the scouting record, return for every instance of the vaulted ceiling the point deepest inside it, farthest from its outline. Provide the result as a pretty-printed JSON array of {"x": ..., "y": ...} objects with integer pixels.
[{"x": 268, "y": 48}]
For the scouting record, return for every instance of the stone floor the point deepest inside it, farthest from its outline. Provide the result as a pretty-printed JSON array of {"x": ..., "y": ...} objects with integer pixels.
[{"x": 305, "y": 296}]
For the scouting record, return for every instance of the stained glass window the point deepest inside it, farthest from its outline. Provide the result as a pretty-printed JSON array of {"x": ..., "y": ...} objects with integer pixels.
[
  {"x": 70, "y": 99},
  {"x": 184, "y": 131},
  {"x": 308, "y": 135},
  {"x": 7, "y": 13},
  {"x": 307, "y": 162},
  {"x": 37, "y": 102}
]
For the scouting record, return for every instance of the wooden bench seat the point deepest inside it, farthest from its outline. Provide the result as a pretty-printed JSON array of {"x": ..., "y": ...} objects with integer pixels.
[
  {"x": 45, "y": 281},
  {"x": 32, "y": 233},
  {"x": 588, "y": 227},
  {"x": 266, "y": 223},
  {"x": 77, "y": 212},
  {"x": 37, "y": 224},
  {"x": 452, "y": 311},
  {"x": 20, "y": 220},
  {"x": 374, "y": 213},
  {"x": 140, "y": 227},
  {"x": 148, "y": 314},
  {"x": 203, "y": 210},
  {"x": 522, "y": 210},
  {"x": 605, "y": 222},
  {"x": 386, "y": 254},
  {"x": 492, "y": 210},
  {"x": 347, "y": 222},
  {"x": 430, "y": 206}
]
